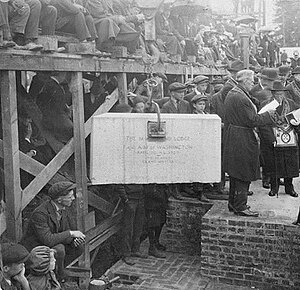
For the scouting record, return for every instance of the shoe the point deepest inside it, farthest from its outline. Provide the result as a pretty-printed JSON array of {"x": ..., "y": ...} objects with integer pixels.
[
  {"x": 189, "y": 190},
  {"x": 231, "y": 208},
  {"x": 160, "y": 247},
  {"x": 155, "y": 253},
  {"x": 293, "y": 193},
  {"x": 139, "y": 255},
  {"x": 128, "y": 261},
  {"x": 176, "y": 195},
  {"x": 266, "y": 184},
  {"x": 8, "y": 44},
  {"x": 247, "y": 212},
  {"x": 249, "y": 193},
  {"x": 296, "y": 223},
  {"x": 272, "y": 193},
  {"x": 33, "y": 46}
]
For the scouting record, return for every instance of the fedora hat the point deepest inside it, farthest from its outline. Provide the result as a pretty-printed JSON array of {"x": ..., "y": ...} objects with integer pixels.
[{"x": 278, "y": 86}]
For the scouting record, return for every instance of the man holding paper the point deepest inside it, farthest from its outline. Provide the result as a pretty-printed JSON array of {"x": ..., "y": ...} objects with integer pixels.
[
  {"x": 279, "y": 146},
  {"x": 241, "y": 145}
]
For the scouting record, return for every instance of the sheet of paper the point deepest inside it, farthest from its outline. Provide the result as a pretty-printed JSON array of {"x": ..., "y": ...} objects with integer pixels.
[{"x": 271, "y": 106}]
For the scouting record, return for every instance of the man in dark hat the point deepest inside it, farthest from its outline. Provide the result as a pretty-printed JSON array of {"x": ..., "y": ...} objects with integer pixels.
[
  {"x": 294, "y": 87},
  {"x": 241, "y": 148},
  {"x": 52, "y": 224},
  {"x": 280, "y": 154},
  {"x": 201, "y": 83},
  {"x": 234, "y": 68},
  {"x": 284, "y": 74},
  {"x": 12, "y": 274},
  {"x": 176, "y": 104}
]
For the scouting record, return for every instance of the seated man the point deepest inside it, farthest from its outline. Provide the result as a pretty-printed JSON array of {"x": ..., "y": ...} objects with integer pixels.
[
  {"x": 12, "y": 276},
  {"x": 74, "y": 18},
  {"x": 51, "y": 224},
  {"x": 112, "y": 28}
]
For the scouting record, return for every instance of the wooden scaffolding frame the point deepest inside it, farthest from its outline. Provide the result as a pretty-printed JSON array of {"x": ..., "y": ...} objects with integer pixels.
[{"x": 17, "y": 199}]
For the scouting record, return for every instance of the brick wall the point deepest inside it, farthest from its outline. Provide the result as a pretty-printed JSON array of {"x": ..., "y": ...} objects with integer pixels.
[
  {"x": 250, "y": 252},
  {"x": 182, "y": 232}
]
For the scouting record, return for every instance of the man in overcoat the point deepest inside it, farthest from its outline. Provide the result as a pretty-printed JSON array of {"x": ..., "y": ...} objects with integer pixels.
[
  {"x": 52, "y": 224},
  {"x": 241, "y": 145}
]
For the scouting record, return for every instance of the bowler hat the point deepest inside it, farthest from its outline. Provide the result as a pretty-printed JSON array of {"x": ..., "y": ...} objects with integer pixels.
[
  {"x": 296, "y": 70},
  {"x": 61, "y": 188},
  {"x": 199, "y": 97},
  {"x": 270, "y": 74},
  {"x": 13, "y": 253},
  {"x": 278, "y": 86},
  {"x": 200, "y": 79},
  {"x": 177, "y": 87},
  {"x": 236, "y": 66},
  {"x": 283, "y": 70}
]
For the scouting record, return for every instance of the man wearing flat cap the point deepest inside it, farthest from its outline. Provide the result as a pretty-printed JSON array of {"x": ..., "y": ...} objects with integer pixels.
[
  {"x": 52, "y": 224},
  {"x": 12, "y": 274},
  {"x": 294, "y": 87},
  {"x": 201, "y": 83},
  {"x": 176, "y": 103},
  {"x": 241, "y": 147}
]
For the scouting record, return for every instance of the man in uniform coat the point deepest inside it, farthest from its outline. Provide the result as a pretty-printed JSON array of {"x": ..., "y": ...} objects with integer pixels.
[
  {"x": 241, "y": 146},
  {"x": 201, "y": 82},
  {"x": 51, "y": 224}
]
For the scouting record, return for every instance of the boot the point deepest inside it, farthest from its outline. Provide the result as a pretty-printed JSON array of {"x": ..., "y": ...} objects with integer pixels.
[{"x": 155, "y": 253}]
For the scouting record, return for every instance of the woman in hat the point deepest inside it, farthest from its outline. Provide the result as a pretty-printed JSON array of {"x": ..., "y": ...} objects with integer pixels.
[
  {"x": 41, "y": 275},
  {"x": 279, "y": 146}
]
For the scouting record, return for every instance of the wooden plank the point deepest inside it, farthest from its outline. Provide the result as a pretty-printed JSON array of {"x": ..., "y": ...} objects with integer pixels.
[
  {"x": 90, "y": 220},
  {"x": 100, "y": 203},
  {"x": 122, "y": 86},
  {"x": 91, "y": 234},
  {"x": 2, "y": 222},
  {"x": 47, "y": 173},
  {"x": 36, "y": 61},
  {"x": 80, "y": 166},
  {"x": 101, "y": 238},
  {"x": 11, "y": 155}
]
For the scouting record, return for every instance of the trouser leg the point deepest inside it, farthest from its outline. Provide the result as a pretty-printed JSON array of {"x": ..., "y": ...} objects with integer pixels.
[
  {"x": 48, "y": 19},
  {"x": 274, "y": 182},
  {"x": 241, "y": 194},
  {"x": 32, "y": 26},
  {"x": 138, "y": 224},
  {"x": 232, "y": 189},
  {"x": 128, "y": 227},
  {"x": 288, "y": 185},
  {"x": 60, "y": 260}
]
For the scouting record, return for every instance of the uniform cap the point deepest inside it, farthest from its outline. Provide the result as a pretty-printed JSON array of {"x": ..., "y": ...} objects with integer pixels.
[
  {"x": 40, "y": 260},
  {"x": 278, "y": 86},
  {"x": 236, "y": 66},
  {"x": 270, "y": 74},
  {"x": 13, "y": 253},
  {"x": 296, "y": 70},
  {"x": 60, "y": 189}
]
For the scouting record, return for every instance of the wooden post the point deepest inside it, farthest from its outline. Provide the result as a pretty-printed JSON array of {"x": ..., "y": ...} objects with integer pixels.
[
  {"x": 122, "y": 86},
  {"x": 13, "y": 192},
  {"x": 245, "y": 49},
  {"x": 80, "y": 166}
]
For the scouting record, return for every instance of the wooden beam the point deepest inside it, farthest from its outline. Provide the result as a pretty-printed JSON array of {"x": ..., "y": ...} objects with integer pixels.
[
  {"x": 122, "y": 86},
  {"x": 11, "y": 155},
  {"x": 100, "y": 203},
  {"x": 22, "y": 60},
  {"x": 91, "y": 234},
  {"x": 47, "y": 173},
  {"x": 80, "y": 166}
]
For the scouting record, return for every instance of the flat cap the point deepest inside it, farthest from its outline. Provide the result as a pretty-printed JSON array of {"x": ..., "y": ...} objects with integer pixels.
[
  {"x": 236, "y": 66},
  {"x": 122, "y": 108},
  {"x": 200, "y": 79},
  {"x": 199, "y": 97},
  {"x": 284, "y": 70},
  {"x": 61, "y": 188},
  {"x": 177, "y": 87},
  {"x": 13, "y": 253}
]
